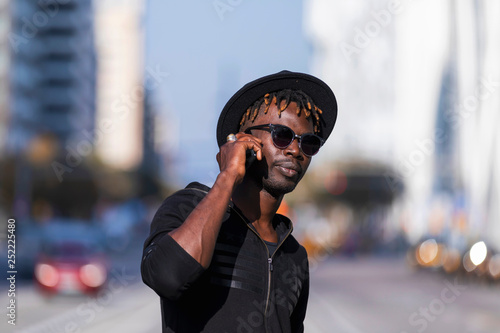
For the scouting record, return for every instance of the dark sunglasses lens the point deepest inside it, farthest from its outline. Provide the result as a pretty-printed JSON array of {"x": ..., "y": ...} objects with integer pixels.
[
  {"x": 310, "y": 144},
  {"x": 282, "y": 136}
]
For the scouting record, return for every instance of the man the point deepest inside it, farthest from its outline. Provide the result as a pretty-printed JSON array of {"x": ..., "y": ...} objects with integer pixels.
[{"x": 220, "y": 258}]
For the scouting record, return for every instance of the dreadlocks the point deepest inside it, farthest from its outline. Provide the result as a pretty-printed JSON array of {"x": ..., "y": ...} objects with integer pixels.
[{"x": 282, "y": 99}]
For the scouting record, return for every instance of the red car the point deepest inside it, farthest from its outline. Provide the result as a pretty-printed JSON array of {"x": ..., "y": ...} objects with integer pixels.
[{"x": 71, "y": 262}]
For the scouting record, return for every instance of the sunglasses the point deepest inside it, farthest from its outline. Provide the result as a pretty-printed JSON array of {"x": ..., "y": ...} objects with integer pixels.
[{"x": 283, "y": 137}]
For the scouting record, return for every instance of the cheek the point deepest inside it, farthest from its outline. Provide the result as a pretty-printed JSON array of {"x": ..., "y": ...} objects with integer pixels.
[
  {"x": 306, "y": 163},
  {"x": 268, "y": 146}
]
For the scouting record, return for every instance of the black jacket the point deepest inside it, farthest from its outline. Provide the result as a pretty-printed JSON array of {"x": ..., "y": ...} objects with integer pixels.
[{"x": 243, "y": 290}]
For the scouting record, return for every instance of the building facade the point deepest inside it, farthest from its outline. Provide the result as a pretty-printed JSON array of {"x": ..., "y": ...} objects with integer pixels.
[
  {"x": 120, "y": 82},
  {"x": 4, "y": 70},
  {"x": 52, "y": 72},
  {"x": 421, "y": 96}
]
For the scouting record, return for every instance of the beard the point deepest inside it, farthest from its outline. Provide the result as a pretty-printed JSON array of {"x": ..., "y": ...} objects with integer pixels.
[
  {"x": 278, "y": 188},
  {"x": 272, "y": 181}
]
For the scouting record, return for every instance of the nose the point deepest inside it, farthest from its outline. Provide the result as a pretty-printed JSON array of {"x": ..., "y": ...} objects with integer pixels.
[{"x": 294, "y": 149}]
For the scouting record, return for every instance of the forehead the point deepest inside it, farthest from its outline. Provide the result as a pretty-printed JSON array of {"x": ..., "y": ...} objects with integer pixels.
[{"x": 288, "y": 117}]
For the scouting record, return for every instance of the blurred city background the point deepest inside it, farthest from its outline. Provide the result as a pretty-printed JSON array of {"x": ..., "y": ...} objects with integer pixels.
[{"x": 108, "y": 106}]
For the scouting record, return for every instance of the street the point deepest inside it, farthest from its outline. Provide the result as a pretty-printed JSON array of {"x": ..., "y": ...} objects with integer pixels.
[
  {"x": 376, "y": 295},
  {"x": 348, "y": 295}
]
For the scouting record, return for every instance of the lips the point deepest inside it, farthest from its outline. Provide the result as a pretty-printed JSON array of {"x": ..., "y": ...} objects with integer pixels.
[{"x": 289, "y": 169}]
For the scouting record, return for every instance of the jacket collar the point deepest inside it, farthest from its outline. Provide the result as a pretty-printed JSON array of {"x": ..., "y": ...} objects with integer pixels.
[{"x": 282, "y": 224}]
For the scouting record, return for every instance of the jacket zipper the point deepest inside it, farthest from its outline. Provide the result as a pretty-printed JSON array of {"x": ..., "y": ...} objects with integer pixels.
[
  {"x": 269, "y": 262},
  {"x": 269, "y": 257}
]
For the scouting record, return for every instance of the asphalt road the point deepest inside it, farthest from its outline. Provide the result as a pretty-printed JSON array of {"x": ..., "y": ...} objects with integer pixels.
[
  {"x": 376, "y": 295},
  {"x": 348, "y": 295},
  {"x": 128, "y": 307}
]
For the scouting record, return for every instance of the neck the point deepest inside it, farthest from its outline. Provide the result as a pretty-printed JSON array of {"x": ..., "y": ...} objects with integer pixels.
[{"x": 258, "y": 206}]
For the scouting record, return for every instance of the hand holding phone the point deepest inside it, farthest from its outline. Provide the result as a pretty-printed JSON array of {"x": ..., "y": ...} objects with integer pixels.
[
  {"x": 228, "y": 152},
  {"x": 251, "y": 157}
]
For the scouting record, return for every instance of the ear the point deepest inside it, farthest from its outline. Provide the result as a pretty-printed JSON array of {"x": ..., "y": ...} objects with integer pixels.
[{"x": 217, "y": 157}]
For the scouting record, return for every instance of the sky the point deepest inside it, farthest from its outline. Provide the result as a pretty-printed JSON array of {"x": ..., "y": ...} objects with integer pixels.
[{"x": 210, "y": 49}]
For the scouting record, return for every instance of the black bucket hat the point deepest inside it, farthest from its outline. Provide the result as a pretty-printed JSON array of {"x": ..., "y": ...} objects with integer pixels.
[{"x": 321, "y": 94}]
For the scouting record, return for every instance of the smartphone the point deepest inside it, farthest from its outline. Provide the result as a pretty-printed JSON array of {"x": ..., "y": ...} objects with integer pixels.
[{"x": 251, "y": 157}]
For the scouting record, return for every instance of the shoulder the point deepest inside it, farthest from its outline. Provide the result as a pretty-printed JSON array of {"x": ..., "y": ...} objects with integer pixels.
[
  {"x": 286, "y": 226},
  {"x": 186, "y": 198},
  {"x": 300, "y": 250},
  {"x": 193, "y": 189},
  {"x": 177, "y": 207}
]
